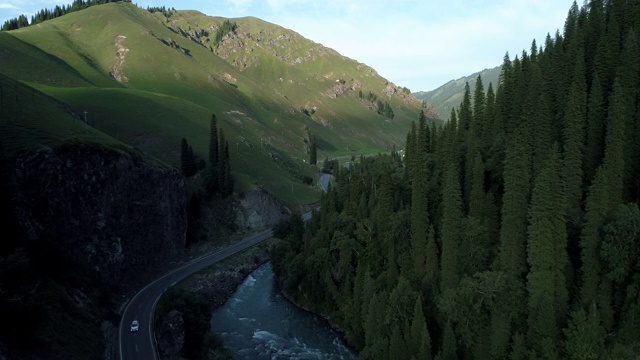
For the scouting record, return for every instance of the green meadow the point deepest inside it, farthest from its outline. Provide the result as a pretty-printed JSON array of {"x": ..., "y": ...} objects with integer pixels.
[{"x": 146, "y": 81}]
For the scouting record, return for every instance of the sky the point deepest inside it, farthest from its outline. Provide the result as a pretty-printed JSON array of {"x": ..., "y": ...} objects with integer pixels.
[{"x": 419, "y": 44}]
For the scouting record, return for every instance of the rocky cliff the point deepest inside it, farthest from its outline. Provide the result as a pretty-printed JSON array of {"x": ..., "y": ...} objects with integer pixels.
[
  {"x": 107, "y": 207},
  {"x": 259, "y": 210}
]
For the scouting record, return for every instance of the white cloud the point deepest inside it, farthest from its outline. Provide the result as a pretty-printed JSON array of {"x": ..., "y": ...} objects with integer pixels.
[{"x": 239, "y": 6}]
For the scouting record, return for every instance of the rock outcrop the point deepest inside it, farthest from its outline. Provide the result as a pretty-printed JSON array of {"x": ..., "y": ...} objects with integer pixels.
[
  {"x": 107, "y": 207},
  {"x": 170, "y": 333},
  {"x": 258, "y": 210}
]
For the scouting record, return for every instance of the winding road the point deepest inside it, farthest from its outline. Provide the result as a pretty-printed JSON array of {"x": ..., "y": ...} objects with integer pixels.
[
  {"x": 141, "y": 345},
  {"x": 324, "y": 180}
]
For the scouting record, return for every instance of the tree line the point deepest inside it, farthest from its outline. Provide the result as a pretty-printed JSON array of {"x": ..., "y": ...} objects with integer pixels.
[
  {"x": 226, "y": 28},
  {"x": 48, "y": 14},
  {"x": 217, "y": 178},
  {"x": 510, "y": 232},
  {"x": 382, "y": 107}
]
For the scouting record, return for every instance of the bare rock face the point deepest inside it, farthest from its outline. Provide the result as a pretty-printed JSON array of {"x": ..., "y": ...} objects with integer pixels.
[
  {"x": 170, "y": 333},
  {"x": 109, "y": 208},
  {"x": 258, "y": 210}
]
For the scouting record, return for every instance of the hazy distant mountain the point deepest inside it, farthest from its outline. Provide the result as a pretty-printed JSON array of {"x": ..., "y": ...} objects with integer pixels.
[{"x": 449, "y": 95}]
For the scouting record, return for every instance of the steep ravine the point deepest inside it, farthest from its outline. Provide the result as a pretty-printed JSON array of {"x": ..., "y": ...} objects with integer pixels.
[
  {"x": 96, "y": 222},
  {"x": 113, "y": 211}
]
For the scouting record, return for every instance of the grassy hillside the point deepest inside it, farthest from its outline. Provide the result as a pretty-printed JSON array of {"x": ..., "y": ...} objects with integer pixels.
[
  {"x": 149, "y": 81},
  {"x": 31, "y": 120},
  {"x": 449, "y": 95}
]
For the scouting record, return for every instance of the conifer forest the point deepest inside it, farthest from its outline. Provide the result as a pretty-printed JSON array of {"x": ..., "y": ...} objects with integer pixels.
[{"x": 510, "y": 232}]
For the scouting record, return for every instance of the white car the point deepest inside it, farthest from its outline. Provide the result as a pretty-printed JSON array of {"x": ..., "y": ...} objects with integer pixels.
[{"x": 135, "y": 326}]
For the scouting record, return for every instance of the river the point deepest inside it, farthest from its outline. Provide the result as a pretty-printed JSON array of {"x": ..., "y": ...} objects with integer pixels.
[{"x": 257, "y": 322}]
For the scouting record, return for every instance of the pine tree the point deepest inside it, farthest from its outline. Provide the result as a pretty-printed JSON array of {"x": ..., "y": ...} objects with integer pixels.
[
  {"x": 424, "y": 137},
  {"x": 451, "y": 225},
  {"x": 419, "y": 222},
  {"x": 489, "y": 132},
  {"x": 449, "y": 347},
  {"x": 537, "y": 119},
  {"x": 472, "y": 137},
  {"x": 517, "y": 175},
  {"x": 595, "y": 211},
  {"x": 479, "y": 106},
  {"x": 222, "y": 164},
  {"x": 546, "y": 254},
  {"x": 420, "y": 340},
  {"x": 605, "y": 193},
  {"x": 313, "y": 151},
  {"x": 574, "y": 136},
  {"x": 213, "y": 142},
  {"x": 594, "y": 150},
  {"x": 477, "y": 197},
  {"x": 585, "y": 335},
  {"x": 465, "y": 113},
  {"x": 212, "y": 179},
  {"x": 184, "y": 157},
  {"x": 419, "y": 207},
  {"x": 409, "y": 151},
  {"x": 619, "y": 109},
  {"x": 227, "y": 179},
  {"x": 397, "y": 345},
  {"x": 630, "y": 72},
  {"x": 432, "y": 270}
]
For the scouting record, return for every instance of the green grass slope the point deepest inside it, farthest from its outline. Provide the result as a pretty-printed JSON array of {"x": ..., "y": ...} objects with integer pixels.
[
  {"x": 150, "y": 81},
  {"x": 32, "y": 120}
]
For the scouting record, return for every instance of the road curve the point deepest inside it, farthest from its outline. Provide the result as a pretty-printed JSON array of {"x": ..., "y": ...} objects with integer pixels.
[
  {"x": 141, "y": 345},
  {"x": 324, "y": 180}
]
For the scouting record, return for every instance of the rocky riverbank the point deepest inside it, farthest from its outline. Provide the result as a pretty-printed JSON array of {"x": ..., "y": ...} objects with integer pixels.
[
  {"x": 214, "y": 286},
  {"x": 217, "y": 283}
]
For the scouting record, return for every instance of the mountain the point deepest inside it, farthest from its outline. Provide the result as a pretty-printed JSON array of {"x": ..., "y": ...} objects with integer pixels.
[
  {"x": 449, "y": 95},
  {"x": 149, "y": 79}
]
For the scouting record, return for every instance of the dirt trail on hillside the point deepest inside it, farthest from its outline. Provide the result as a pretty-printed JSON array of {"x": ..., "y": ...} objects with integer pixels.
[{"x": 117, "y": 71}]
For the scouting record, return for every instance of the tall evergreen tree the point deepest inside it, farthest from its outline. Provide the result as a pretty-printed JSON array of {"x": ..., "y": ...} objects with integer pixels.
[
  {"x": 594, "y": 150},
  {"x": 477, "y": 197},
  {"x": 432, "y": 271},
  {"x": 629, "y": 71},
  {"x": 184, "y": 157},
  {"x": 420, "y": 340},
  {"x": 585, "y": 335},
  {"x": 449, "y": 346},
  {"x": 419, "y": 207},
  {"x": 517, "y": 177},
  {"x": 489, "y": 132},
  {"x": 419, "y": 222},
  {"x": 313, "y": 150},
  {"x": 472, "y": 137},
  {"x": 465, "y": 114},
  {"x": 574, "y": 136},
  {"x": 547, "y": 255},
  {"x": 409, "y": 151},
  {"x": 619, "y": 109},
  {"x": 212, "y": 179},
  {"x": 595, "y": 212},
  {"x": 225, "y": 180},
  {"x": 213, "y": 142},
  {"x": 451, "y": 225}
]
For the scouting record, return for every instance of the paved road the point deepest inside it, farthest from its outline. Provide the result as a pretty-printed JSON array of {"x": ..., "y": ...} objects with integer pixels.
[
  {"x": 324, "y": 181},
  {"x": 141, "y": 345}
]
